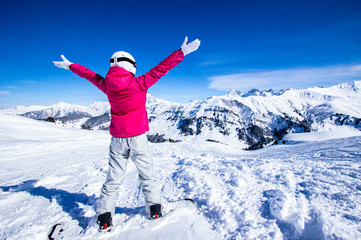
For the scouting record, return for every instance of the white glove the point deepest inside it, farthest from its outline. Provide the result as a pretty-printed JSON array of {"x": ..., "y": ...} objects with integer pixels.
[
  {"x": 190, "y": 47},
  {"x": 64, "y": 64}
]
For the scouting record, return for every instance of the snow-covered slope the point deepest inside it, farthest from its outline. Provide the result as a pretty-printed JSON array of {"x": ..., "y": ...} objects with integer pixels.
[
  {"x": 303, "y": 190},
  {"x": 251, "y": 120}
]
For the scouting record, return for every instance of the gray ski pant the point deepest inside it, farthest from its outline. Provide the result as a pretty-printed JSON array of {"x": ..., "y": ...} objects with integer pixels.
[{"x": 120, "y": 150}]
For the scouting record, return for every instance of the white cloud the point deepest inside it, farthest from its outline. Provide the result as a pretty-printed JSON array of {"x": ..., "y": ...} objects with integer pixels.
[
  {"x": 287, "y": 78},
  {"x": 210, "y": 63},
  {"x": 3, "y": 93},
  {"x": 29, "y": 82}
]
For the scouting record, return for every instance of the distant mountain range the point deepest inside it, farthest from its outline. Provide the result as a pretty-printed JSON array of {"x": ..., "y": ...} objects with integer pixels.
[{"x": 249, "y": 121}]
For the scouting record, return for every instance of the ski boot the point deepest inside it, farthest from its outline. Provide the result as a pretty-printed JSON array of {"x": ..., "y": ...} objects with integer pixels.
[
  {"x": 105, "y": 222},
  {"x": 155, "y": 211}
]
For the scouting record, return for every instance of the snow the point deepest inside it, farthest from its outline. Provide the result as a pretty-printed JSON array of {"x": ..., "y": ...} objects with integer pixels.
[
  {"x": 309, "y": 188},
  {"x": 336, "y": 132}
]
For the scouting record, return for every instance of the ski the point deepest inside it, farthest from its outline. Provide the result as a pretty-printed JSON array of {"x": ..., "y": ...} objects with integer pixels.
[
  {"x": 183, "y": 199},
  {"x": 184, "y": 202},
  {"x": 189, "y": 199},
  {"x": 56, "y": 232}
]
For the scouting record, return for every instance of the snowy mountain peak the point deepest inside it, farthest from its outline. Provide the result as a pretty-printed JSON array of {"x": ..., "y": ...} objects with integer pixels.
[
  {"x": 65, "y": 106},
  {"x": 264, "y": 93},
  {"x": 98, "y": 108},
  {"x": 354, "y": 86},
  {"x": 61, "y": 104},
  {"x": 234, "y": 93},
  {"x": 156, "y": 100},
  {"x": 255, "y": 92}
]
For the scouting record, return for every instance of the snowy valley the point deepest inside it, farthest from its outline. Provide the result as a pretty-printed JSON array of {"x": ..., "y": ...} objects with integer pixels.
[{"x": 309, "y": 188}]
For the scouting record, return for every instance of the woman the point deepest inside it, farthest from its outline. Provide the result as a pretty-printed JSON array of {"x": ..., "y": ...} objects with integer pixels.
[{"x": 129, "y": 123}]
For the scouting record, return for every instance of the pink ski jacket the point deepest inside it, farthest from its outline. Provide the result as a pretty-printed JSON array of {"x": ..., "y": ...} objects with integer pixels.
[{"x": 127, "y": 94}]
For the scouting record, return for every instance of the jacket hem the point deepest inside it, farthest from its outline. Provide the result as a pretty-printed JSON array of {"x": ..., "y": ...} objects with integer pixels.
[{"x": 128, "y": 134}]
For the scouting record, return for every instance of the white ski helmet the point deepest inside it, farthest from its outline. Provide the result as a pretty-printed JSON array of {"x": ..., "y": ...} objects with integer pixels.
[{"x": 124, "y": 60}]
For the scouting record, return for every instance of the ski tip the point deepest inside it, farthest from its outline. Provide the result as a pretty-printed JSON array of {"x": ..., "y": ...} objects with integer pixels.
[
  {"x": 56, "y": 231},
  {"x": 189, "y": 199}
]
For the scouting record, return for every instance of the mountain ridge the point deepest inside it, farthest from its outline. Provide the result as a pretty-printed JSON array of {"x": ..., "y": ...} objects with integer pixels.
[{"x": 251, "y": 120}]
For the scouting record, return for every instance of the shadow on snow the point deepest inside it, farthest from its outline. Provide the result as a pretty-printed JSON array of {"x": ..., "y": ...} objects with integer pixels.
[{"x": 68, "y": 201}]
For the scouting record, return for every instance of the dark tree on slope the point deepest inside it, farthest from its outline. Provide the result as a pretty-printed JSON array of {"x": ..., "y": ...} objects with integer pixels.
[
  {"x": 50, "y": 119},
  {"x": 85, "y": 127},
  {"x": 184, "y": 126},
  {"x": 343, "y": 119}
]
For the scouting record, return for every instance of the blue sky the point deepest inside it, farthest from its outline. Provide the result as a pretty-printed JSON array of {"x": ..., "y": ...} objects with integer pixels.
[{"x": 245, "y": 45}]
